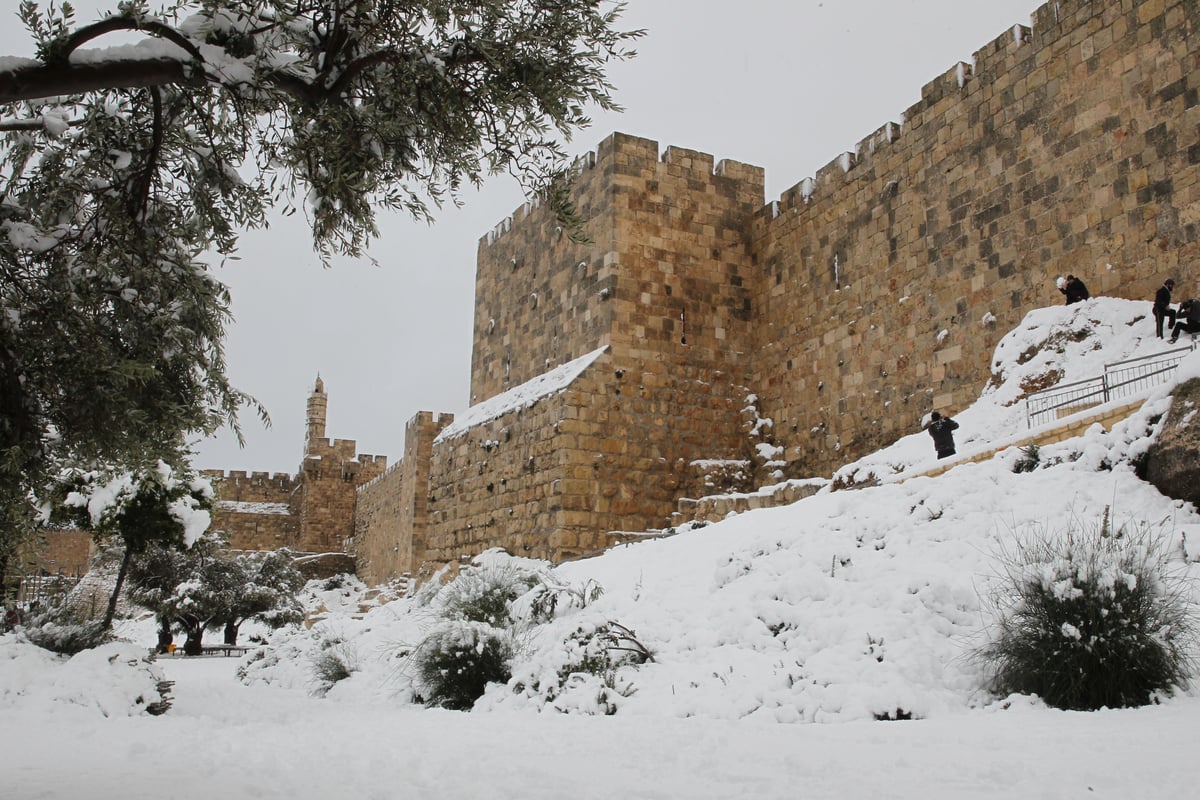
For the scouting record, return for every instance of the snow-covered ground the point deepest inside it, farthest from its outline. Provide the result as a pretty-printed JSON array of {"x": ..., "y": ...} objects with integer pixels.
[{"x": 845, "y": 607}]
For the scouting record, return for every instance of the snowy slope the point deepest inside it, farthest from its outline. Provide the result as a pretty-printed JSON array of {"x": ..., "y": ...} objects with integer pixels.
[{"x": 846, "y": 605}]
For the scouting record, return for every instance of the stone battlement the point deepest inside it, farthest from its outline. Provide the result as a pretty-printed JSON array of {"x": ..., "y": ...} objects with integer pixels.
[
  {"x": 789, "y": 337},
  {"x": 243, "y": 476}
]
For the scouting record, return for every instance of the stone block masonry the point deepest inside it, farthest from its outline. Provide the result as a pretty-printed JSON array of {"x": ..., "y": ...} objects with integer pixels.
[
  {"x": 391, "y": 522},
  {"x": 861, "y": 299},
  {"x": 700, "y": 328},
  {"x": 312, "y": 511},
  {"x": 255, "y": 509},
  {"x": 884, "y": 283}
]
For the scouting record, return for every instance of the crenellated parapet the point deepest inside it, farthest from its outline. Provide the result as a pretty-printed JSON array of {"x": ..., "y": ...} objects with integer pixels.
[
  {"x": 889, "y": 275},
  {"x": 699, "y": 329},
  {"x": 251, "y": 486}
]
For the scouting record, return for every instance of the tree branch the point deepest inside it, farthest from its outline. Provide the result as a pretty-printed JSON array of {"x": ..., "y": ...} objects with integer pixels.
[
  {"x": 31, "y": 83},
  {"x": 113, "y": 24},
  {"x": 35, "y": 124}
]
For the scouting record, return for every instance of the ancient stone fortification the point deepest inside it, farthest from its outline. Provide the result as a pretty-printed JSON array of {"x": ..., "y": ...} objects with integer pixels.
[
  {"x": 706, "y": 338},
  {"x": 310, "y": 512}
]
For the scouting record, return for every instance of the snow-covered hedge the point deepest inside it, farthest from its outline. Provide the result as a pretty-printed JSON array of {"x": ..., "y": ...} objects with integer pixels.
[{"x": 114, "y": 680}]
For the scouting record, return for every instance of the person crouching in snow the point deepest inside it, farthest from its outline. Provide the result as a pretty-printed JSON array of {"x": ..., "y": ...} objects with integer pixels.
[
  {"x": 1188, "y": 320},
  {"x": 942, "y": 430}
]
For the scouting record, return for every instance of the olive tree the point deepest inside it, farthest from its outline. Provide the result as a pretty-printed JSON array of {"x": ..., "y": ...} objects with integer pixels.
[
  {"x": 125, "y": 165},
  {"x": 156, "y": 508}
]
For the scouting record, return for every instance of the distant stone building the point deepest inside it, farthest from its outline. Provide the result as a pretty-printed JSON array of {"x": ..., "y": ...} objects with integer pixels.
[
  {"x": 705, "y": 339},
  {"x": 309, "y": 512}
]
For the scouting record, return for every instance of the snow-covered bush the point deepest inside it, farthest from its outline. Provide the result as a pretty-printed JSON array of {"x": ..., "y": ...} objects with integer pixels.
[
  {"x": 485, "y": 613},
  {"x": 1030, "y": 457},
  {"x": 1090, "y": 618},
  {"x": 69, "y": 623},
  {"x": 482, "y": 593},
  {"x": 548, "y": 598},
  {"x": 458, "y": 659},
  {"x": 61, "y": 630},
  {"x": 115, "y": 679},
  {"x": 471, "y": 642},
  {"x": 336, "y": 661},
  {"x": 587, "y": 676}
]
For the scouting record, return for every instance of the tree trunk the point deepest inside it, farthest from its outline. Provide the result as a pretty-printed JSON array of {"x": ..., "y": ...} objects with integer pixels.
[
  {"x": 194, "y": 644},
  {"x": 4, "y": 576},
  {"x": 231, "y": 631},
  {"x": 165, "y": 637},
  {"x": 112, "y": 601}
]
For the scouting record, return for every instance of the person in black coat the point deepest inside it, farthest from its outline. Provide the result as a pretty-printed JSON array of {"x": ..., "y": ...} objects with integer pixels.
[
  {"x": 1162, "y": 307},
  {"x": 1188, "y": 319},
  {"x": 1074, "y": 289},
  {"x": 941, "y": 429}
]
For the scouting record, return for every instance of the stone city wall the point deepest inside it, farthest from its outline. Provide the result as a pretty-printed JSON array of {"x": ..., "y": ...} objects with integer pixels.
[
  {"x": 333, "y": 471},
  {"x": 391, "y": 519},
  {"x": 827, "y": 322},
  {"x": 65, "y": 551},
  {"x": 499, "y": 483},
  {"x": 254, "y": 509},
  {"x": 886, "y": 281}
]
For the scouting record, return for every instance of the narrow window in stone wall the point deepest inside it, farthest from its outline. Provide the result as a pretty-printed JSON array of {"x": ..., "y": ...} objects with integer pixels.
[{"x": 683, "y": 327}]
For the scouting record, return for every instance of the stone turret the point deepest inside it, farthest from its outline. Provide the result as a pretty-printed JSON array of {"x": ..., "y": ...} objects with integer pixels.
[
  {"x": 330, "y": 472},
  {"x": 318, "y": 403}
]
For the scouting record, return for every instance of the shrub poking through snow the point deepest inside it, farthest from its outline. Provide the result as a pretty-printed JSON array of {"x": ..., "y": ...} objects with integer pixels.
[
  {"x": 1090, "y": 619},
  {"x": 458, "y": 659},
  {"x": 549, "y": 598},
  {"x": 588, "y": 675},
  {"x": 471, "y": 643},
  {"x": 484, "y": 590},
  {"x": 61, "y": 630},
  {"x": 1029, "y": 460},
  {"x": 335, "y": 662}
]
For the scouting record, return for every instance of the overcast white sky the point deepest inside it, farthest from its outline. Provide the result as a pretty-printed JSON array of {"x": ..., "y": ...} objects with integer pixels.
[{"x": 784, "y": 84}]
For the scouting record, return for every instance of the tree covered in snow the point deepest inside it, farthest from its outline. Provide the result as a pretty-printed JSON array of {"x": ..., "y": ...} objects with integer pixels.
[
  {"x": 156, "y": 507},
  {"x": 206, "y": 587},
  {"x": 265, "y": 588},
  {"x": 133, "y": 147},
  {"x": 182, "y": 588}
]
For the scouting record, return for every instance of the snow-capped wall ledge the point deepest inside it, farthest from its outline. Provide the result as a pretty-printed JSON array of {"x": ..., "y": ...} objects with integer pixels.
[
  {"x": 522, "y": 396},
  {"x": 248, "y": 507}
]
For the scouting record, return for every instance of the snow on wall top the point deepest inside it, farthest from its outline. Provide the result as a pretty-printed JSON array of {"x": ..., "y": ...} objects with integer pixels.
[
  {"x": 522, "y": 396},
  {"x": 245, "y": 507}
]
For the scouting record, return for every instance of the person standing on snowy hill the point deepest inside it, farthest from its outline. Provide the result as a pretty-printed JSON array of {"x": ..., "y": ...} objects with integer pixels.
[
  {"x": 1162, "y": 307},
  {"x": 1074, "y": 289},
  {"x": 1188, "y": 321},
  {"x": 942, "y": 430}
]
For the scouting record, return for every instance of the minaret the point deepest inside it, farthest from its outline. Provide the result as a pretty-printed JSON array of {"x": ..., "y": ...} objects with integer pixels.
[{"x": 318, "y": 402}]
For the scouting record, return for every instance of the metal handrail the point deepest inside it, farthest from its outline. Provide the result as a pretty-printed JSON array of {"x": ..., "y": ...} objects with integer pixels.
[{"x": 1114, "y": 383}]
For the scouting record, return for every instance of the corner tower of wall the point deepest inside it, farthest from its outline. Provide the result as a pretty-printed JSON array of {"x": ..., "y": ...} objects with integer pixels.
[
  {"x": 392, "y": 513},
  {"x": 683, "y": 321}
]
